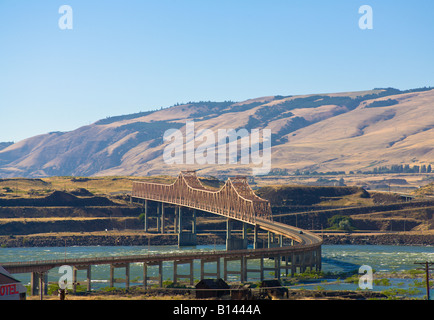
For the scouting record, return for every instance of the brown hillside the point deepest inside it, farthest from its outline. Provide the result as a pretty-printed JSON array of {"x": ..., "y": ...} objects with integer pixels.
[{"x": 343, "y": 132}]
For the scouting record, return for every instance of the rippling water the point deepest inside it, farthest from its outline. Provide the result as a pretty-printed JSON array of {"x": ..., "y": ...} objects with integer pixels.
[{"x": 380, "y": 258}]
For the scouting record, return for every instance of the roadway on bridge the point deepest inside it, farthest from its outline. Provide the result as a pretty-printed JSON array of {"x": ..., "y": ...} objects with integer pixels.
[{"x": 299, "y": 235}]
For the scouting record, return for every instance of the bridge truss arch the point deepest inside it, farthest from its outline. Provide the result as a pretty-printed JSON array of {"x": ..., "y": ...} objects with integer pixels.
[{"x": 234, "y": 200}]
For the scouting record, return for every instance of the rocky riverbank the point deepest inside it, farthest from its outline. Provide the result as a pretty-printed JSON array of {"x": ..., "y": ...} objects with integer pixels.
[
  {"x": 172, "y": 239},
  {"x": 100, "y": 240},
  {"x": 381, "y": 239}
]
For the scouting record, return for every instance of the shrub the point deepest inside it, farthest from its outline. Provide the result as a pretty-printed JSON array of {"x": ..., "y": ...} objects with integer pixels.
[{"x": 340, "y": 222}]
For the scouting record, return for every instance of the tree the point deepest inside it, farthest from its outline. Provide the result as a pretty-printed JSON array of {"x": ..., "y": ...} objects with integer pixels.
[{"x": 341, "y": 223}]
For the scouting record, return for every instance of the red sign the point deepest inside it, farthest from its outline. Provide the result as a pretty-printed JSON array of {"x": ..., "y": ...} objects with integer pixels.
[{"x": 8, "y": 289}]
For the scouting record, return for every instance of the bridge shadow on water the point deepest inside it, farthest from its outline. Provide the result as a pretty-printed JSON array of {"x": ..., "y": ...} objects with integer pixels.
[{"x": 335, "y": 265}]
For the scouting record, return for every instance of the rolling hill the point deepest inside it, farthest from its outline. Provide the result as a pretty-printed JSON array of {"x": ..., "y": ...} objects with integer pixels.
[{"x": 322, "y": 132}]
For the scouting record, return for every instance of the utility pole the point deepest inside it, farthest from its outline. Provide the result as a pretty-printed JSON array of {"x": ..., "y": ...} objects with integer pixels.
[{"x": 427, "y": 267}]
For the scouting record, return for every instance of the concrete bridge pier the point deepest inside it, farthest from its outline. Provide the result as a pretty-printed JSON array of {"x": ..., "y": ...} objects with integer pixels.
[
  {"x": 318, "y": 259},
  {"x": 242, "y": 272},
  {"x": 74, "y": 277},
  {"x": 175, "y": 220},
  {"x": 39, "y": 283},
  {"x": 204, "y": 274},
  {"x": 260, "y": 270},
  {"x": 186, "y": 238},
  {"x": 163, "y": 224},
  {"x": 146, "y": 277},
  {"x": 233, "y": 243},
  {"x": 255, "y": 237},
  {"x": 177, "y": 276},
  {"x": 158, "y": 219},
  {"x": 273, "y": 241},
  {"x": 127, "y": 274},
  {"x": 146, "y": 216},
  {"x": 161, "y": 227}
]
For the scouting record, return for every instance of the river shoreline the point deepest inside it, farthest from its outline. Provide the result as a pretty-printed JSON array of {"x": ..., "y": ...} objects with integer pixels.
[{"x": 141, "y": 239}]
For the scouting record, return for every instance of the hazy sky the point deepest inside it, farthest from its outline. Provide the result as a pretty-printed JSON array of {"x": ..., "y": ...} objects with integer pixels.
[{"x": 123, "y": 57}]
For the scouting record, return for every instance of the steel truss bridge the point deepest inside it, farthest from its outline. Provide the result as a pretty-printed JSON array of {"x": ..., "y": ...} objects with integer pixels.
[{"x": 235, "y": 201}]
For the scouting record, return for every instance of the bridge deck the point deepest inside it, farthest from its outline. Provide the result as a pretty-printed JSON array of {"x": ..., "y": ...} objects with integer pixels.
[{"x": 45, "y": 265}]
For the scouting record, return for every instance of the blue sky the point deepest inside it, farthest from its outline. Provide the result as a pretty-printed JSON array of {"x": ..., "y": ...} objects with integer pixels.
[{"x": 129, "y": 56}]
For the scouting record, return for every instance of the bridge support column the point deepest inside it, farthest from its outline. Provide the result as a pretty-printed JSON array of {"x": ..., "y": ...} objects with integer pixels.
[
  {"x": 159, "y": 278},
  {"x": 186, "y": 238},
  {"x": 112, "y": 276},
  {"x": 233, "y": 243},
  {"x": 204, "y": 274},
  {"x": 193, "y": 222},
  {"x": 34, "y": 280},
  {"x": 146, "y": 216},
  {"x": 228, "y": 229},
  {"x": 39, "y": 283},
  {"x": 127, "y": 274},
  {"x": 88, "y": 277},
  {"x": 177, "y": 276},
  {"x": 163, "y": 227},
  {"x": 255, "y": 237},
  {"x": 180, "y": 226},
  {"x": 242, "y": 272},
  {"x": 303, "y": 262},
  {"x": 277, "y": 267},
  {"x": 158, "y": 219},
  {"x": 245, "y": 239},
  {"x": 318, "y": 259},
  {"x": 260, "y": 270},
  {"x": 286, "y": 267},
  {"x": 74, "y": 279},
  {"x": 293, "y": 270},
  {"x": 269, "y": 239},
  {"x": 175, "y": 220}
]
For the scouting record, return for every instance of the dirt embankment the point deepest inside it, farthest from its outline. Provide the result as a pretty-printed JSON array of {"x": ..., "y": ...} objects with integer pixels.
[{"x": 56, "y": 199}]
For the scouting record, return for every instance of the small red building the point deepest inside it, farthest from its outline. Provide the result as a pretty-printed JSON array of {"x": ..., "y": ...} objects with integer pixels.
[{"x": 10, "y": 288}]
